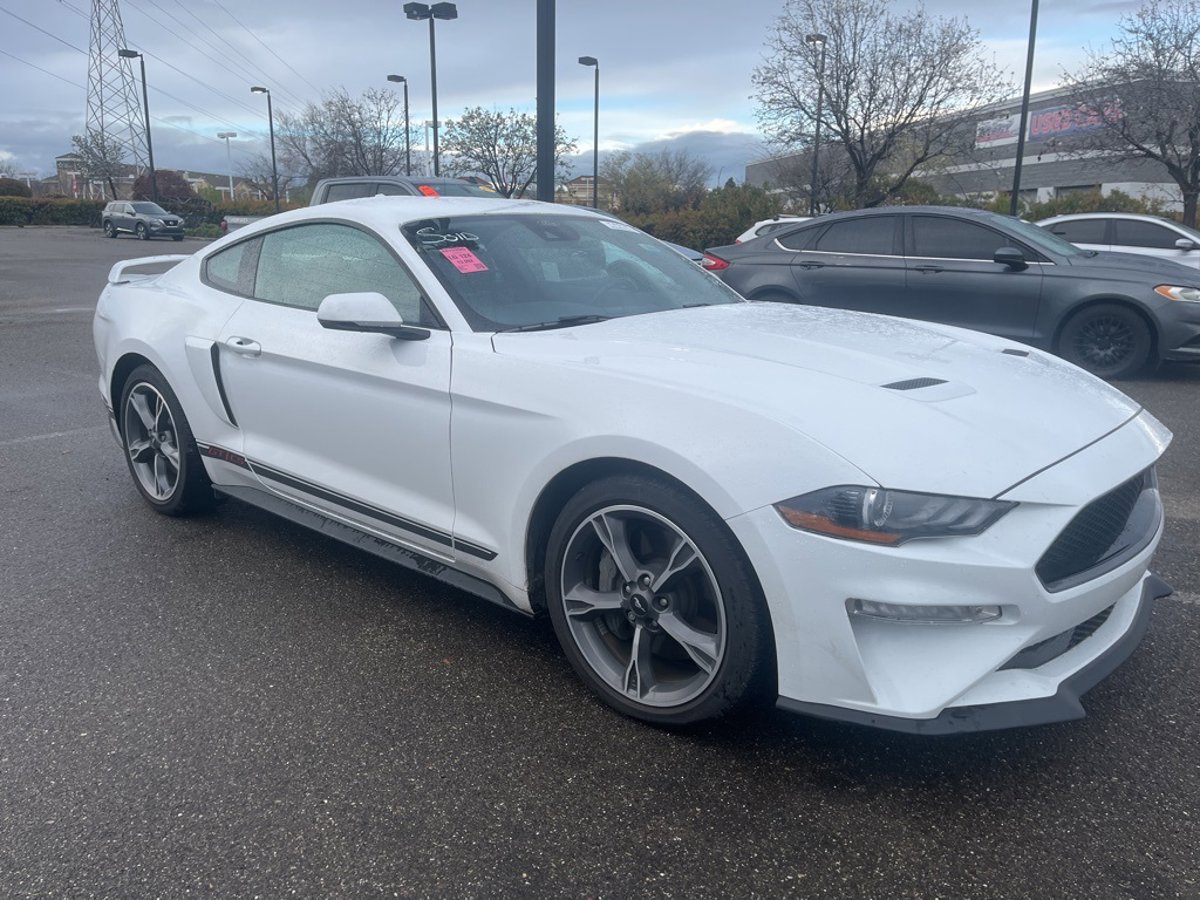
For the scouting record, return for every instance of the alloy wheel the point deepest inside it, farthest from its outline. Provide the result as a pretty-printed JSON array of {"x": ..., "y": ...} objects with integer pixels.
[
  {"x": 1105, "y": 341},
  {"x": 151, "y": 441}
]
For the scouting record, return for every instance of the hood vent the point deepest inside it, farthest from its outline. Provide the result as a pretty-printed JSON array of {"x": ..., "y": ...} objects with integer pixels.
[
  {"x": 1011, "y": 352},
  {"x": 913, "y": 384}
]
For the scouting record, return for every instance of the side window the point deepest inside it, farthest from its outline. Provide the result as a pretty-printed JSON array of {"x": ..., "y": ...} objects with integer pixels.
[
  {"x": 873, "y": 235},
  {"x": 944, "y": 238},
  {"x": 348, "y": 191},
  {"x": 301, "y": 266},
  {"x": 797, "y": 240},
  {"x": 232, "y": 269},
  {"x": 1132, "y": 233},
  {"x": 390, "y": 189},
  {"x": 1081, "y": 231}
]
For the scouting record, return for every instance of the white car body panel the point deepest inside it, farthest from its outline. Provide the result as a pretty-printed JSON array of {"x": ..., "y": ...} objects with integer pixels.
[
  {"x": 746, "y": 404},
  {"x": 1173, "y": 254}
]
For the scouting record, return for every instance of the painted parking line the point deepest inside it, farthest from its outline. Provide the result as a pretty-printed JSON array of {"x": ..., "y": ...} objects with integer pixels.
[{"x": 51, "y": 434}]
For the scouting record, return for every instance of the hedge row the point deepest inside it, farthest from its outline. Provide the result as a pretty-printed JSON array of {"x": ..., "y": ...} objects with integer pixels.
[{"x": 44, "y": 211}]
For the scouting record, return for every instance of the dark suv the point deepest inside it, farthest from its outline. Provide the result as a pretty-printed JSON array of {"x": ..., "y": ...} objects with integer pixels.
[{"x": 142, "y": 218}]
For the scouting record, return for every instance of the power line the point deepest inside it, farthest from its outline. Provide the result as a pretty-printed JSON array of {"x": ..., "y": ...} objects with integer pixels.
[{"x": 267, "y": 47}]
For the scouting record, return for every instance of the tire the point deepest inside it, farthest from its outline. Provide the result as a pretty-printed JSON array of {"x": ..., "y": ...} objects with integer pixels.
[
  {"x": 142, "y": 233},
  {"x": 159, "y": 448},
  {"x": 1110, "y": 340},
  {"x": 177, "y": 237},
  {"x": 109, "y": 230},
  {"x": 671, "y": 629}
]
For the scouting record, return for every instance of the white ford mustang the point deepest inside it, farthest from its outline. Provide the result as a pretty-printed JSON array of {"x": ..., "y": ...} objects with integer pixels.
[{"x": 887, "y": 522}]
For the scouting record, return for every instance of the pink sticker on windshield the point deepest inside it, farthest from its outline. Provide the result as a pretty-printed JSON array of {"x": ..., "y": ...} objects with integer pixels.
[{"x": 464, "y": 260}]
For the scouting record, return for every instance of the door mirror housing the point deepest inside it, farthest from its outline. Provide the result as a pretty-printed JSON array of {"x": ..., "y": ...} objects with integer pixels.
[
  {"x": 1011, "y": 257},
  {"x": 1185, "y": 244},
  {"x": 369, "y": 312}
]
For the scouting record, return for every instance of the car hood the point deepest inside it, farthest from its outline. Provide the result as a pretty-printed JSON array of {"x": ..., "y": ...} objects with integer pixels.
[
  {"x": 1135, "y": 266},
  {"x": 859, "y": 384}
]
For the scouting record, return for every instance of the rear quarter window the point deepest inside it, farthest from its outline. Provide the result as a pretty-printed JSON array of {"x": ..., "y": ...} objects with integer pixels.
[{"x": 233, "y": 269}]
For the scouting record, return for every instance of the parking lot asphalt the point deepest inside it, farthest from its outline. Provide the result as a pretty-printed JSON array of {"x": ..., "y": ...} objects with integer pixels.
[{"x": 234, "y": 706}]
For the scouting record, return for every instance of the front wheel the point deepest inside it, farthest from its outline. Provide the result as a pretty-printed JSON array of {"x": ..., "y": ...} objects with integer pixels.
[
  {"x": 142, "y": 233},
  {"x": 654, "y": 603},
  {"x": 177, "y": 237},
  {"x": 109, "y": 230},
  {"x": 1109, "y": 340},
  {"x": 159, "y": 448}
]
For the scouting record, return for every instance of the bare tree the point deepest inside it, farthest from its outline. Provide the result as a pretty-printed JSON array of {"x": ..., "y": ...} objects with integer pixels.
[
  {"x": 1143, "y": 95},
  {"x": 101, "y": 157},
  {"x": 896, "y": 87},
  {"x": 345, "y": 136},
  {"x": 646, "y": 183},
  {"x": 258, "y": 172},
  {"x": 500, "y": 146}
]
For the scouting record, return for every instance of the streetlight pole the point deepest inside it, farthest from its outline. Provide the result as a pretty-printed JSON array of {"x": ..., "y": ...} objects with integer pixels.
[
  {"x": 417, "y": 12},
  {"x": 400, "y": 79},
  {"x": 228, "y": 158},
  {"x": 814, "y": 39},
  {"x": 1015, "y": 200},
  {"x": 592, "y": 61},
  {"x": 271, "y": 122},
  {"x": 132, "y": 54}
]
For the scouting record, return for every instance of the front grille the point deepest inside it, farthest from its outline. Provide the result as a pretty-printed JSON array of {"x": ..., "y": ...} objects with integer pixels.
[
  {"x": 1108, "y": 530},
  {"x": 1043, "y": 651}
]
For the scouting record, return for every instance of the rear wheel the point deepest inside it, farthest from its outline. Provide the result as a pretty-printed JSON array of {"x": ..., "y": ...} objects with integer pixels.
[
  {"x": 654, "y": 604},
  {"x": 159, "y": 448},
  {"x": 1109, "y": 340}
]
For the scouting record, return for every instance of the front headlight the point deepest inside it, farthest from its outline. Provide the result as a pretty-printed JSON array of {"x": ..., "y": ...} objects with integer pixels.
[
  {"x": 881, "y": 516},
  {"x": 1176, "y": 292}
]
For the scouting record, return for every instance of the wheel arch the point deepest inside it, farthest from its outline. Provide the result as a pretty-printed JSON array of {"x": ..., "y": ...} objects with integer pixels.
[
  {"x": 1117, "y": 300},
  {"x": 121, "y": 371}
]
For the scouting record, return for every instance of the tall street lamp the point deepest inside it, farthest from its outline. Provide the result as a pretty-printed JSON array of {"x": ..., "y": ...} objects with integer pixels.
[
  {"x": 592, "y": 61},
  {"x": 271, "y": 122},
  {"x": 226, "y": 135},
  {"x": 814, "y": 39},
  {"x": 417, "y": 12},
  {"x": 1015, "y": 200},
  {"x": 400, "y": 79},
  {"x": 133, "y": 54}
]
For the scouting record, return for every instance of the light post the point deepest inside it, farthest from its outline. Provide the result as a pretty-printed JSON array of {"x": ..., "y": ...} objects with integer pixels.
[
  {"x": 817, "y": 38},
  {"x": 226, "y": 135},
  {"x": 271, "y": 122},
  {"x": 592, "y": 61},
  {"x": 417, "y": 12},
  {"x": 1015, "y": 200},
  {"x": 400, "y": 79},
  {"x": 133, "y": 54}
]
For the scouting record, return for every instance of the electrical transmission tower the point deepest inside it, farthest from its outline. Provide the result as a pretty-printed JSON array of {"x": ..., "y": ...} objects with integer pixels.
[{"x": 113, "y": 110}]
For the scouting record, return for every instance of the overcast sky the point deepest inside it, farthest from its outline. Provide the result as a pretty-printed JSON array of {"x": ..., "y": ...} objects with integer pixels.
[{"x": 674, "y": 71}]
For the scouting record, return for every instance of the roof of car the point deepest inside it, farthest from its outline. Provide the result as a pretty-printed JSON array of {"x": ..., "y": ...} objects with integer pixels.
[
  {"x": 1141, "y": 217},
  {"x": 407, "y": 179},
  {"x": 964, "y": 212}
]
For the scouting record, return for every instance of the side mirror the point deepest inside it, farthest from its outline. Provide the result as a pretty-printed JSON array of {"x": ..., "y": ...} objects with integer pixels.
[
  {"x": 1185, "y": 244},
  {"x": 369, "y": 312},
  {"x": 1011, "y": 257}
]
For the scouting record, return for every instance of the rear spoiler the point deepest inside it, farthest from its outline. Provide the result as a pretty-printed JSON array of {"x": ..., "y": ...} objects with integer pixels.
[{"x": 117, "y": 272}]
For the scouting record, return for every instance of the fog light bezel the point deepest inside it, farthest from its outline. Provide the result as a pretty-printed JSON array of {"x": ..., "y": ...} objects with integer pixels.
[{"x": 918, "y": 613}]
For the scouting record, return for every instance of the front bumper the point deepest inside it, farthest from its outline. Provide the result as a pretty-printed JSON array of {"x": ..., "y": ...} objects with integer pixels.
[
  {"x": 1062, "y": 706},
  {"x": 1179, "y": 331},
  {"x": 165, "y": 230}
]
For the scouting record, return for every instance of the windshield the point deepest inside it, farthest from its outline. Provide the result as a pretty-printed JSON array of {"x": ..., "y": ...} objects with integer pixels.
[
  {"x": 1044, "y": 239},
  {"x": 1189, "y": 231},
  {"x": 150, "y": 209},
  {"x": 537, "y": 270}
]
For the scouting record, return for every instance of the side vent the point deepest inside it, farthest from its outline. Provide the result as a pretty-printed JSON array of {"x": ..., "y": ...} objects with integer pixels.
[{"x": 913, "y": 384}]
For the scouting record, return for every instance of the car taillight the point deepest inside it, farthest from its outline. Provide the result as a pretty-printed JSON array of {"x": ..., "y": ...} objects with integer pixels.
[
  {"x": 427, "y": 190},
  {"x": 713, "y": 263}
]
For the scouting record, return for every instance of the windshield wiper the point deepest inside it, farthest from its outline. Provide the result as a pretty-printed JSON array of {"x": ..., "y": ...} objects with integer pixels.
[{"x": 564, "y": 322}]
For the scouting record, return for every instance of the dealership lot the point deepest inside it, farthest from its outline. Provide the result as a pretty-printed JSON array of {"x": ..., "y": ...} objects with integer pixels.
[{"x": 234, "y": 705}]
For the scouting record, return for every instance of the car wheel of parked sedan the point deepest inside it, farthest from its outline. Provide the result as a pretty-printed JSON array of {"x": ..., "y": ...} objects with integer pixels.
[
  {"x": 654, "y": 603},
  {"x": 109, "y": 230},
  {"x": 159, "y": 447},
  {"x": 142, "y": 233},
  {"x": 1109, "y": 340}
]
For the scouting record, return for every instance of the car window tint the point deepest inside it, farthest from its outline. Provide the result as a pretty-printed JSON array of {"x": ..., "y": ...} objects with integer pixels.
[
  {"x": 389, "y": 189},
  {"x": 939, "y": 237},
  {"x": 1131, "y": 233},
  {"x": 348, "y": 191},
  {"x": 796, "y": 240},
  {"x": 232, "y": 269},
  {"x": 1081, "y": 231},
  {"x": 874, "y": 235},
  {"x": 301, "y": 266}
]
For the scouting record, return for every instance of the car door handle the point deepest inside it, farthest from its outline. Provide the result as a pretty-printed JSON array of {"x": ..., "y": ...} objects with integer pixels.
[
  {"x": 928, "y": 270},
  {"x": 244, "y": 346}
]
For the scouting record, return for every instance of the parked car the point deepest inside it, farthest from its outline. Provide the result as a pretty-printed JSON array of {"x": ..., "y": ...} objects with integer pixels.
[
  {"x": 713, "y": 500},
  {"x": 1109, "y": 313},
  {"x": 141, "y": 218},
  {"x": 1129, "y": 233},
  {"x": 764, "y": 227}
]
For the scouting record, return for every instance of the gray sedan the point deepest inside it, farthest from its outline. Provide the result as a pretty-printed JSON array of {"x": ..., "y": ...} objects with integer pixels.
[{"x": 1110, "y": 313}]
